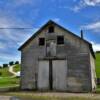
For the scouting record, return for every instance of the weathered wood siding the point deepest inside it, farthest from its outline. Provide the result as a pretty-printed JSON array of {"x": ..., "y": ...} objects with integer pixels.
[{"x": 78, "y": 62}]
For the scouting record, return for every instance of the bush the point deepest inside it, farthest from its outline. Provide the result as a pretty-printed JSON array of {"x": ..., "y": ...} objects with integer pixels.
[
  {"x": 0, "y": 66},
  {"x": 17, "y": 62},
  {"x": 97, "y": 51},
  {"x": 0, "y": 73},
  {"x": 11, "y": 63},
  {"x": 5, "y": 65}
]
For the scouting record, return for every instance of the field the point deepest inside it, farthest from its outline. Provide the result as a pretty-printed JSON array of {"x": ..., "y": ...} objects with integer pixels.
[
  {"x": 97, "y": 65},
  {"x": 7, "y": 79}
]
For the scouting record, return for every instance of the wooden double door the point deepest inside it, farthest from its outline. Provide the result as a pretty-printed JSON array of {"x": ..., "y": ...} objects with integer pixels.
[{"x": 52, "y": 75}]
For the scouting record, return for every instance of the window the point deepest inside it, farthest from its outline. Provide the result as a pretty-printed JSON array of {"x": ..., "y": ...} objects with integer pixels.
[
  {"x": 60, "y": 39},
  {"x": 41, "y": 41},
  {"x": 51, "y": 29}
]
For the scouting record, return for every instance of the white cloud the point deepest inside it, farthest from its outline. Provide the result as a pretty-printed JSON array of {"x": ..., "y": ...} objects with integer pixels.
[
  {"x": 92, "y": 26},
  {"x": 96, "y": 46},
  {"x": 14, "y": 35},
  {"x": 2, "y": 45},
  {"x": 6, "y": 58},
  {"x": 11, "y": 39},
  {"x": 92, "y": 2},
  {"x": 12, "y": 17},
  {"x": 85, "y": 3},
  {"x": 56, "y": 19}
]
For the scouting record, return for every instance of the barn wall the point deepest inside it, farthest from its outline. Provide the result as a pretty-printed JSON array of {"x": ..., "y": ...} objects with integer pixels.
[
  {"x": 79, "y": 76},
  {"x": 30, "y": 66},
  {"x": 76, "y": 53},
  {"x": 93, "y": 73}
]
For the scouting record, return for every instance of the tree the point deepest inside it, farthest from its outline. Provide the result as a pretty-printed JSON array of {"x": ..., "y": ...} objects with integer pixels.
[
  {"x": 17, "y": 62},
  {"x": 97, "y": 51},
  {"x": 5, "y": 65},
  {"x": 11, "y": 63},
  {"x": 0, "y": 66},
  {"x": 0, "y": 73}
]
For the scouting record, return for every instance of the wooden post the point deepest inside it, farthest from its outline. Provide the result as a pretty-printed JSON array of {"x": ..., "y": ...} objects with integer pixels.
[{"x": 50, "y": 75}]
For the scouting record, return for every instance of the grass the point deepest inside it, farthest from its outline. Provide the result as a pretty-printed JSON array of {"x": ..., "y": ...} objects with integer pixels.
[
  {"x": 4, "y": 72},
  {"x": 8, "y": 81},
  {"x": 17, "y": 68},
  {"x": 97, "y": 65}
]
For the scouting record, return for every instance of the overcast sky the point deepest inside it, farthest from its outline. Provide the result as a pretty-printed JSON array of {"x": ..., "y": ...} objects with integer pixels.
[{"x": 72, "y": 14}]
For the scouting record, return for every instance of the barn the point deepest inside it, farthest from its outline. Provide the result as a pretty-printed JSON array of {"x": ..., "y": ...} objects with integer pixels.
[{"x": 55, "y": 59}]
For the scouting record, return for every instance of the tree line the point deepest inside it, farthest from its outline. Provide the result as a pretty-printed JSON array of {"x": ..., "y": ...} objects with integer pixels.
[{"x": 10, "y": 64}]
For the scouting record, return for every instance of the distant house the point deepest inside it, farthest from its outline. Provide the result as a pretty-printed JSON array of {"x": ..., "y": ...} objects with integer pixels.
[{"x": 56, "y": 59}]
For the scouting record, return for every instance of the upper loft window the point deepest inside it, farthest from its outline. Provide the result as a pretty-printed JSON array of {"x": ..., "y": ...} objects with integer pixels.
[
  {"x": 60, "y": 39},
  {"x": 51, "y": 29},
  {"x": 41, "y": 41}
]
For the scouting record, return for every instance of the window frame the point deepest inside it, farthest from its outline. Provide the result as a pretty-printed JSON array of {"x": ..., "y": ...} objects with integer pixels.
[
  {"x": 61, "y": 43},
  {"x": 51, "y": 29},
  {"x": 39, "y": 41}
]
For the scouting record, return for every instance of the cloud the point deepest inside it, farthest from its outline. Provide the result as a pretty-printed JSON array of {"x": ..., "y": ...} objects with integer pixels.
[
  {"x": 2, "y": 45},
  {"x": 92, "y": 2},
  {"x": 16, "y": 14},
  {"x": 56, "y": 19},
  {"x": 85, "y": 3},
  {"x": 96, "y": 46},
  {"x": 6, "y": 58},
  {"x": 11, "y": 39},
  {"x": 92, "y": 26}
]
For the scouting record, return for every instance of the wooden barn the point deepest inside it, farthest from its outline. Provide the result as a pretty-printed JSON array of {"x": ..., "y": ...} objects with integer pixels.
[{"x": 56, "y": 59}]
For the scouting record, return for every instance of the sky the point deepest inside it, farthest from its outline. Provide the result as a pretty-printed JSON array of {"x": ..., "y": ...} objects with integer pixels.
[{"x": 74, "y": 15}]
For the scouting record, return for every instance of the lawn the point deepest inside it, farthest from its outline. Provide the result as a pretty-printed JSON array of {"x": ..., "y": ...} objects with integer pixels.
[
  {"x": 9, "y": 81},
  {"x": 17, "y": 67},
  {"x": 4, "y": 72},
  {"x": 97, "y": 65}
]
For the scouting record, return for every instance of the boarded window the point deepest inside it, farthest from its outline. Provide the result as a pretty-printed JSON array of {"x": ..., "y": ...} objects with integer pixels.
[
  {"x": 41, "y": 41},
  {"x": 60, "y": 39},
  {"x": 51, "y": 29}
]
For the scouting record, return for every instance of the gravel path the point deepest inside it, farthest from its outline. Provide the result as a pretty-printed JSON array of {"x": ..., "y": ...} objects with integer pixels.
[
  {"x": 87, "y": 95},
  {"x": 11, "y": 70},
  {"x": 55, "y": 94},
  {"x": 5, "y": 97},
  {"x": 84, "y": 95}
]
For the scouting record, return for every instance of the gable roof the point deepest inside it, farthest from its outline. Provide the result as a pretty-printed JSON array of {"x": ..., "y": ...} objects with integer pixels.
[{"x": 52, "y": 22}]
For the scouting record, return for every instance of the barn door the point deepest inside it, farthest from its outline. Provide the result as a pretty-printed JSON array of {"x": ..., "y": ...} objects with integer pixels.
[
  {"x": 59, "y": 74},
  {"x": 43, "y": 75}
]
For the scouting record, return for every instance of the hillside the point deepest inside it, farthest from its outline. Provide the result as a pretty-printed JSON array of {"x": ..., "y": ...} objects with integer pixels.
[
  {"x": 97, "y": 64},
  {"x": 7, "y": 79}
]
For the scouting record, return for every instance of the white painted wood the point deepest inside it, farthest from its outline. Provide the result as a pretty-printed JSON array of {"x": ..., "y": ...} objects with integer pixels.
[
  {"x": 59, "y": 75},
  {"x": 43, "y": 75}
]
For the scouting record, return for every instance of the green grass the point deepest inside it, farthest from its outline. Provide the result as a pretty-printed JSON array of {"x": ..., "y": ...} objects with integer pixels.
[
  {"x": 8, "y": 81},
  {"x": 97, "y": 65},
  {"x": 4, "y": 72},
  {"x": 17, "y": 68},
  {"x": 6, "y": 78}
]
